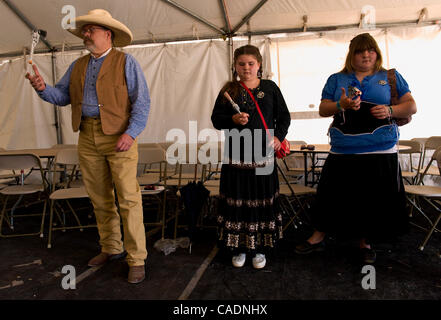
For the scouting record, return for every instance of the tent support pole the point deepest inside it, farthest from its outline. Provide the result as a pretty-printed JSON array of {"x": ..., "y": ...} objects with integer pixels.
[
  {"x": 230, "y": 56},
  {"x": 223, "y": 6},
  {"x": 249, "y": 15},
  {"x": 56, "y": 113},
  {"x": 193, "y": 15},
  {"x": 25, "y": 20}
]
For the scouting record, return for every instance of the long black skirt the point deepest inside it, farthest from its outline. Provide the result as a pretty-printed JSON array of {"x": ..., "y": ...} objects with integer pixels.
[
  {"x": 249, "y": 217},
  {"x": 361, "y": 196}
]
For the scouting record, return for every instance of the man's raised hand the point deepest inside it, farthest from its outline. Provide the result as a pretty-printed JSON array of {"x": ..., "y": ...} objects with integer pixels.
[{"x": 37, "y": 80}]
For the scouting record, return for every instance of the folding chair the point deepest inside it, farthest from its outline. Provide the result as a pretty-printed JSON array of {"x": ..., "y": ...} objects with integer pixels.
[
  {"x": 211, "y": 178},
  {"x": 150, "y": 172},
  {"x": 295, "y": 172},
  {"x": 431, "y": 195},
  {"x": 430, "y": 145},
  {"x": 294, "y": 200},
  {"x": 7, "y": 176},
  {"x": 154, "y": 184},
  {"x": 68, "y": 189},
  {"x": 25, "y": 191},
  {"x": 189, "y": 170},
  {"x": 289, "y": 165},
  {"x": 416, "y": 148}
]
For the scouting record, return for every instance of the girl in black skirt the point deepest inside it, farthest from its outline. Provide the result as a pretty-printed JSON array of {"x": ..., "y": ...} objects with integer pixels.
[
  {"x": 361, "y": 193},
  {"x": 249, "y": 218}
]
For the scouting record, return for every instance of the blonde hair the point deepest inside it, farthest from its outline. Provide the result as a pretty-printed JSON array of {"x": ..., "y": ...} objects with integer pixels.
[{"x": 361, "y": 43}]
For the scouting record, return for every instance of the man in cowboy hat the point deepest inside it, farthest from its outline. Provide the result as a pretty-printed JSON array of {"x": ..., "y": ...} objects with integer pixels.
[{"x": 110, "y": 105}]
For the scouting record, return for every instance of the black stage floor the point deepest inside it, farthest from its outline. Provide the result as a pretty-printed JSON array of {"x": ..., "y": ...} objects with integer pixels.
[{"x": 29, "y": 271}]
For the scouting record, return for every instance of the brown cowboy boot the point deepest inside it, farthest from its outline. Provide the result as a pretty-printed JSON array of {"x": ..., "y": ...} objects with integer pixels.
[
  {"x": 103, "y": 258},
  {"x": 136, "y": 274}
]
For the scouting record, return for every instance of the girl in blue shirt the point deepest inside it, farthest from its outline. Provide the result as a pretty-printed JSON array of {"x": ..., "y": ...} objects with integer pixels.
[{"x": 360, "y": 193}]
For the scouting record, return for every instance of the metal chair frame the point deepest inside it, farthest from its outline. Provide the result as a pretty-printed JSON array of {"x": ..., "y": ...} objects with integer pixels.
[
  {"x": 25, "y": 163},
  {"x": 430, "y": 195}
]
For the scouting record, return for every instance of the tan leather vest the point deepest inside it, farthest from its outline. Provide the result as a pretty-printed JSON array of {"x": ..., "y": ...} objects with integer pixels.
[{"x": 111, "y": 89}]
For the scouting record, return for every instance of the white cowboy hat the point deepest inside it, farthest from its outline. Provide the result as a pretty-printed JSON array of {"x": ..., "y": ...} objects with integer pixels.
[{"x": 122, "y": 35}]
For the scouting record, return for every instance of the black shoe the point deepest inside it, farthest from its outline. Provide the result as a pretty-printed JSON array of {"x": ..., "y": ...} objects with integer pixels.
[
  {"x": 305, "y": 247},
  {"x": 368, "y": 256}
]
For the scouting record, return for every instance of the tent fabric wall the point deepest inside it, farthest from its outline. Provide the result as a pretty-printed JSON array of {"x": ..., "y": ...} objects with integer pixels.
[
  {"x": 25, "y": 120},
  {"x": 418, "y": 60},
  {"x": 305, "y": 63},
  {"x": 184, "y": 79}
]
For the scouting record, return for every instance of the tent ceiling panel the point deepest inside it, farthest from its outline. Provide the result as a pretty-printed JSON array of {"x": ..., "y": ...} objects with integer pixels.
[
  {"x": 288, "y": 14},
  {"x": 159, "y": 20}
]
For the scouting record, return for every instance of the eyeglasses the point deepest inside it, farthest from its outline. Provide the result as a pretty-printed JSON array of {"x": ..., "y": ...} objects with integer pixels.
[{"x": 90, "y": 30}]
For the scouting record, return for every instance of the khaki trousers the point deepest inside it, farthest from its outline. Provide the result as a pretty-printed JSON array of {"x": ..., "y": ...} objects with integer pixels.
[{"x": 103, "y": 170}]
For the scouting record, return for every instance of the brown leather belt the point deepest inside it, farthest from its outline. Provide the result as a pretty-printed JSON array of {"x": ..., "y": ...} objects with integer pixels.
[{"x": 92, "y": 118}]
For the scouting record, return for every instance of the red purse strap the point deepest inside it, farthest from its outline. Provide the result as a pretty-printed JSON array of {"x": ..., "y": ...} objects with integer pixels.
[{"x": 258, "y": 108}]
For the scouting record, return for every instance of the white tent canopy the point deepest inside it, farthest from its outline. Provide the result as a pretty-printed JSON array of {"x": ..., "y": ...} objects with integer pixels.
[
  {"x": 302, "y": 41},
  {"x": 167, "y": 20}
]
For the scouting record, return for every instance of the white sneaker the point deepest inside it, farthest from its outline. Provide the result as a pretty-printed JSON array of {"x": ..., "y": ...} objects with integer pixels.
[
  {"x": 239, "y": 260},
  {"x": 259, "y": 261}
]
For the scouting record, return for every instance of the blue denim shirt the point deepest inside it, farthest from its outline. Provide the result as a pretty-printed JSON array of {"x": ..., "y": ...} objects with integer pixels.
[{"x": 136, "y": 85}]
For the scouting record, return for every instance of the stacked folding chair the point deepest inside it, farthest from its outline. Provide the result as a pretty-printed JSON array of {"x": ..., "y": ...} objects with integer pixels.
[
  {"x": 153, "y": 184},
  {"x": 411, "y": 174},
  {"x": 66, "y": 186},
  {"x": 427, "y": 169},
  {"x": 426, "y": 200},
  {"x": 294, "y": 200},
  {"x": 31, "y": 190}
]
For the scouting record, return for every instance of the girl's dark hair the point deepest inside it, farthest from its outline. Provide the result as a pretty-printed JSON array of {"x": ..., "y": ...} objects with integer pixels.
[
  {"x": 358, "y": 44},
  {"x": 233, "y": 87}
]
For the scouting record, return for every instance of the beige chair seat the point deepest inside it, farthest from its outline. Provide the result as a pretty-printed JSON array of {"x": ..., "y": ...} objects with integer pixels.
[
  {"x": 72, "y": 184},
  {"x": 183, "y": 176},
  {"x": 425, "y": 191},
  {"x": 214, "y": 191},
  {"x": 10, "y": 175},
  {"x": 432, "y": 170},
  {"x": 409, "y": 174},
  {"x": 298, "y": 189},
  {"x": 212, "y": 183},
  {"x": 147, "y": 179},
  {"x": 22, "y": 189},
  {"x": 175, "y": 182},
  {"x": 69, "y": 193}
]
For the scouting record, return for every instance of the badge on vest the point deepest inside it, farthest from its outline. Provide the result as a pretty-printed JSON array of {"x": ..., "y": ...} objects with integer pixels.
[
  {"x": 260, "y": 94},
  {"x": 382, "y": 82}
]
